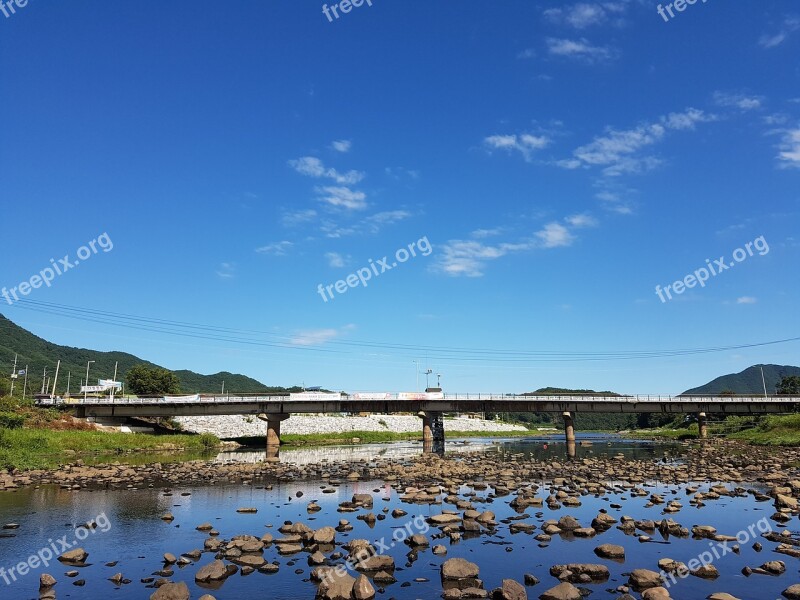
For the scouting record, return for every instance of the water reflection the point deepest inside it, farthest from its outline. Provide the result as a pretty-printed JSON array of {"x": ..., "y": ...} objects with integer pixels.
[{"x": 540, "y": 448}]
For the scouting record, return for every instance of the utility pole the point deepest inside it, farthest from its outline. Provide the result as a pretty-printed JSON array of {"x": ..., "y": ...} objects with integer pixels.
[
  {"x": 763, "y": 382},
  {"x": 114, "y": 381},
  {"x": 55, "y": 380},
  {"x": 69, "y": 376},
  {"x": 416, "y": 369},
  {"x": 85, "y": 388},
  {"x": 427, "y": 373},
  {"x": 25, "y": 386},
  {"x": 223, "y": 387},
  {"x": 13, "y": 375},
  {"x": 44, "y": 379}
]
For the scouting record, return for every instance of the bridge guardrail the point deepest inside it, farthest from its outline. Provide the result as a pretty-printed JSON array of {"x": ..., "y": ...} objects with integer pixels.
[{"x": 243, "y": 399}]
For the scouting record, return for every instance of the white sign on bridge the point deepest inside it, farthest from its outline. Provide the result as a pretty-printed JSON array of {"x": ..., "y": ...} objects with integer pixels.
[{"x": 315, "y": 396}]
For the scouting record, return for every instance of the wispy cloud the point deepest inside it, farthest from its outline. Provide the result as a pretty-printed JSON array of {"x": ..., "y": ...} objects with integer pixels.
[
  {"x": 485, "y": 233},
  {"x": 311, "y": 166},
  {"x": 342, "y": 145},
  {"x": 583, "y": 15},
  {"x": 555, "y": 235},
  {"x": 335, "y": 260},
  {"x": 317, "y": 337},
  {"x": 746, "y": 300},
  {"x": 275, "y": 248},
  {"x": 619, "y": 151},
  {"x": 298, "y": 217},
  {"x": 375, "y": 222},
  {"x": 342, "y": 197},
  {"x": 524, "y": 143},
  {"x": 580, "y": 50},
  {"x": 470, "y": 258},
  {"x": 226, "y": 270},
  {"x": 789, "y": 155},
  {"x": 741, "y": 101},
  {"x": 785, "y": 30},
  {"x": 582, "y": 220}
]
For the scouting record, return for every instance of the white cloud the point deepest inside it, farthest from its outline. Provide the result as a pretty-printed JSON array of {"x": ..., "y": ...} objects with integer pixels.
[
  {"x": 335, "y": 260},
  {"x": 317, "y": 337},
  {"x": 466, "y": 258},
  {"x": 790, "y": 149},
  {"x": 469, "y": 258},
  {"x": 387, "y": 217},
  {"x": 484, "y": 233},
  {"x": 741, "y": 101},
  {"x": 226, "y": 270},
  {"x": 787, "y": 28},
  {"x": 524, "y": 143},
  {"x": 619, "y": 151},
  {"x": 746, "y": 300},
  {"x": 583, "y": 15},
  {"x": 275, "y": 248},
  {"x": 581, "y": 221},
  {"x": 527, "y": 54},
  {"x": 342, "y": 145},
  {"x": 555, "y": 235},
  {"x": 342, "y": 197},
  {"x": 311, "y": 166},
  {"x": 580, "y": 50},
  {"x": 298, "y": 217}
]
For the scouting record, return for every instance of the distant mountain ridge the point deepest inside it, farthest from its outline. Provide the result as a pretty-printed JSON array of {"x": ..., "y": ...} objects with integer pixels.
[
  {"x": 747, "y": 381},
  {"x": 38, "y": 353}
]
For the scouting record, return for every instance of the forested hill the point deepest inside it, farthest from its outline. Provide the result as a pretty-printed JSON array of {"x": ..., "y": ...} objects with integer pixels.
[
  {"x": 38, "y": 353},
  {"x": 746, "y": 382}
]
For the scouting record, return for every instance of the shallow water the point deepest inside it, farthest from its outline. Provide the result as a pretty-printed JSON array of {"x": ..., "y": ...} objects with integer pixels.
[{"x": 137, "y": 538}]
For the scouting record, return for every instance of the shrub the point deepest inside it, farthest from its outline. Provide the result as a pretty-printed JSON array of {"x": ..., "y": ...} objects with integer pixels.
[
  {"x": 11, "y": 421},
  {"x": 209, "y": 441}
]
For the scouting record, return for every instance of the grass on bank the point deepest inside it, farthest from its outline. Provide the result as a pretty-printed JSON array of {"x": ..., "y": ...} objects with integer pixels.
[
  {"x": 36, "y": 438},
  {"x": 43, "y": 448},
  {"x": 371, "y": 437}
]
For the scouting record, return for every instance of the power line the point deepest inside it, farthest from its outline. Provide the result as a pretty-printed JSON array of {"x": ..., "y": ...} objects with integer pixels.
[{"x": 272, "y": 340}]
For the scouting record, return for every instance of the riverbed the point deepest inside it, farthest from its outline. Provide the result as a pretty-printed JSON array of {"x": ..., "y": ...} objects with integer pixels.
[{"x": 131, "y": 534}]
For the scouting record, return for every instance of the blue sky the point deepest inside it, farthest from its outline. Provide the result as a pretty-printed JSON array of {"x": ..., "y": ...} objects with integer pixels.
[{"x": 562, "y": 159}]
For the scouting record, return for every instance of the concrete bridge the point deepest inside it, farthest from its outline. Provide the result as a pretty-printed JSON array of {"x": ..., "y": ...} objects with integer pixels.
[{"x": 430, "y": 406}]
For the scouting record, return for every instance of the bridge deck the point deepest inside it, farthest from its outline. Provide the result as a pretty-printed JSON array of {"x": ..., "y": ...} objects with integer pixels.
[{"x": 391, "y": 403}]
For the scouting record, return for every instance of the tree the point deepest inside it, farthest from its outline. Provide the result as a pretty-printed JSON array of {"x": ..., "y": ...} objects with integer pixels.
[
  {"x": 789, "y": 386},
  {"x": 5, "y": 386},
  {"x": 727, "y": 393},
  {"x": 146, "y": 381}
]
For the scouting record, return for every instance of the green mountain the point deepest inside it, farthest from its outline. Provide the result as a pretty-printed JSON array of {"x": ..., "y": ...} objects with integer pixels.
[
  {"x": 39, "y": 354},
  {"x": 747, "y": 382}
]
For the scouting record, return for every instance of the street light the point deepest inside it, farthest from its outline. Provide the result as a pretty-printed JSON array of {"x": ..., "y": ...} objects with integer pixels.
[
  {"x": 427, "y": 372},
  {"x": 86, "y": 388}
]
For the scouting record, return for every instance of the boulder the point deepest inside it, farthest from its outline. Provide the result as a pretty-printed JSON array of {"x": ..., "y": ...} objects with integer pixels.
[
  {"x": 171, "y": 591},
  {"x": 563, "y": 591},
  {"x": 455, "y": 569}
]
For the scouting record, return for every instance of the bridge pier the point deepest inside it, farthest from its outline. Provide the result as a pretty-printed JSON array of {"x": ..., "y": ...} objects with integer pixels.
[
  {"x": 702, "y": 426},
  {"x": 273, "y": 434},
  {"x": 569, "y": 427},
  {"x": 432, "y": 432}
]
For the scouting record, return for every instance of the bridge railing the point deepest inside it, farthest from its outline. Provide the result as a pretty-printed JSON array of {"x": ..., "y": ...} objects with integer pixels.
[{"x": 455, "y": 397}]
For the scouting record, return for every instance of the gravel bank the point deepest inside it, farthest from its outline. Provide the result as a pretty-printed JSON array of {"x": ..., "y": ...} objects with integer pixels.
[{"x": 245, "y": 426}]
